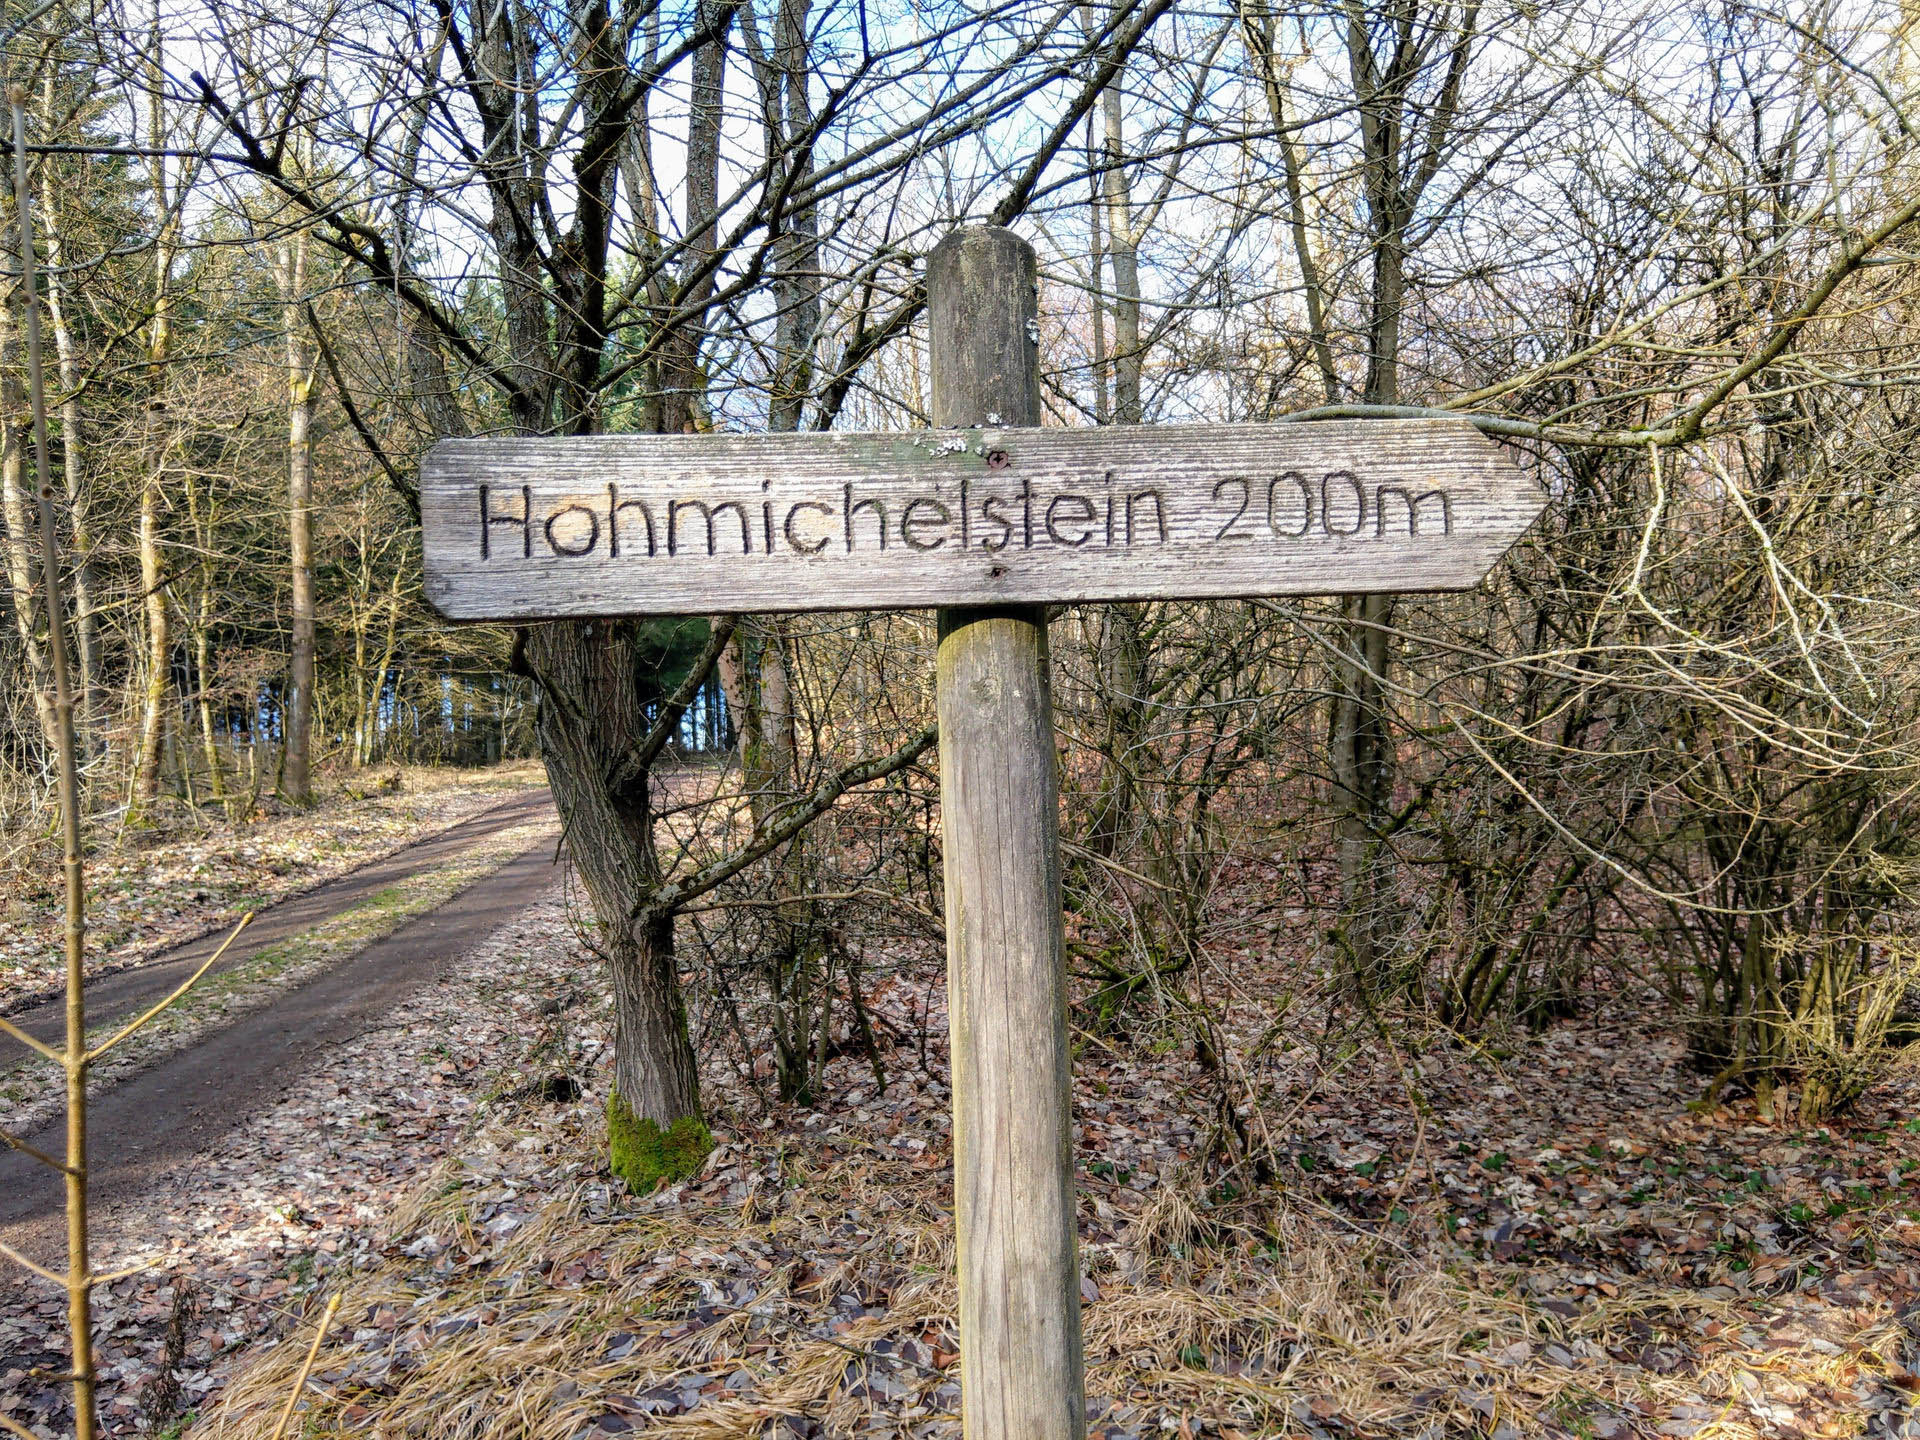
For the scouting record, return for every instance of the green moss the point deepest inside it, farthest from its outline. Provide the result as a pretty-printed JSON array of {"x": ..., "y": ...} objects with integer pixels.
[{"x": 647, "y": 1157}]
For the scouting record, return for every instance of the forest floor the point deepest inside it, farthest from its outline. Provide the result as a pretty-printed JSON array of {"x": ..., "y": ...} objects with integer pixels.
[
  {"x": 196, "y": 871},
  {"x": 1539, "y": 1237}
]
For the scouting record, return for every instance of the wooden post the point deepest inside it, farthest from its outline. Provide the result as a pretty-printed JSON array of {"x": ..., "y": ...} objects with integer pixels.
[{"x": 1006, "y": 979}]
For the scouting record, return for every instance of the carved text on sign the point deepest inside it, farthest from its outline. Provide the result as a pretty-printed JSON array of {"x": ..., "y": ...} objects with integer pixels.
[
  {"x": 608, "y": 525},
  {"x": 1337, "y": 504}
]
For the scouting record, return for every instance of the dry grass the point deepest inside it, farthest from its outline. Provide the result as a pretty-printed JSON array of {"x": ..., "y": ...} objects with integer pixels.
[{"x": 599, "y": 1303}]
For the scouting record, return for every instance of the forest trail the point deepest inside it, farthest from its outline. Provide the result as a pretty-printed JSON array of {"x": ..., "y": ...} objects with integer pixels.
[
  {"x": 162, "y": 1114},
  {"x": 120, "y": 994}
]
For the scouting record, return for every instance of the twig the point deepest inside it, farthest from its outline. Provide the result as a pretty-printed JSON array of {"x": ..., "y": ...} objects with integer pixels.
[
  {"x": 24, "y": 1263},
  {"x": 825, "y": 897},
  {"x": 771, "y": 834},
  {"x": 184, "y": 986},
  {"x": 32, "y": 1044},
  {"x": 1083, "y": 853},
  {"x": 125, "y": 1271},
  {"x": 306, "y": 1366},
  {"x": 15, "y": 1142},
  {"x": 406, "y": 489}
]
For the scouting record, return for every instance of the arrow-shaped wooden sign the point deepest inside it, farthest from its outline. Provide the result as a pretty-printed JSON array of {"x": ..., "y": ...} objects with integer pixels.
[{"x": 706, "y": 524}]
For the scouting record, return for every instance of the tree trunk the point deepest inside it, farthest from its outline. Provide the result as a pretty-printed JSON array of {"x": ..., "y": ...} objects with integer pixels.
[
  {"x": 799, "y": 989},
  {"x": 376, "y": 686},
  {"x": 1123, "y": 247},
  {"x": 796, "y": 257},
  {"x": 360, "y": 607},
  {"x": 1257, "y": 25},
  {"x": 1121, "y": 675},
  {"x": 1121, "y": 664},
  {"x": 203, "y": 660},
  {"x": 1096, "y": 275},
  {"x": 159, "y": 649},
  {"x": 199, "y": 633},
  {"x": 72, "y": 451},
  {"x": 1384, "y": 307},
  {"x": 153, "y": 578},
  {"x": 1363, "y": 758},
  {"x": 593, "y": 721},
  {"x": 19, "y": 520},
  {"x": 654, "y": 1065},
  {"x": 683, "y": 382},
  {"x": 1363, "y": 779},
  {"x": 299, "y": 725},
  {"x": 761, "y": 699}
]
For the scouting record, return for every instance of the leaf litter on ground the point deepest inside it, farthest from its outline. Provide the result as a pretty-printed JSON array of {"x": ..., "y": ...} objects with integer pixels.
[{"x": 1546, "y": 1241}]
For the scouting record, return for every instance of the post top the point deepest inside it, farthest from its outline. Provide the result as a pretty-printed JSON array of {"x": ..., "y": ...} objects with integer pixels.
[{"x": 982, "y": 235}]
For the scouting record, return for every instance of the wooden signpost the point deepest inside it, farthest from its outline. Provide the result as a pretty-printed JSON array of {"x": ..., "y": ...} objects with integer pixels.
[{"x": 989, "y": 518}]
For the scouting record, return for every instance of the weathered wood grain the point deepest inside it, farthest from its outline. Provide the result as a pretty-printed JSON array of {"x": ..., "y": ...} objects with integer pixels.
[
  {"x": 699, "y": 524},
  {"x": 1013, "y": 1187}
]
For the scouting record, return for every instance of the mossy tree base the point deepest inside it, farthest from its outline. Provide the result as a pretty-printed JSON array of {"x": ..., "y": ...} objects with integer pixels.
[{"x": 647, "y": 1157}]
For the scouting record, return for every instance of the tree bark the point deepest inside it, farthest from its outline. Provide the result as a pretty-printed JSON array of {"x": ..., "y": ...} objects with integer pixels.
[
  {"x": 1097, "y": 276},
  {"x": 1123, "y": 247},
  {"x": 299, "y": 723},
  {"x": 787, "y": 115},
  {"x": 298, "y": 525},
  {"x": 376, "y": 684},
  {"x": 593, "y": 722},
  {"x": 19, "y": 518},
  {"x": 1363, "y": 780},
  {"x": 199, "y": 636},
  {"x": 72, "y": 453},
  {"x": 153, "y": 578},
  {"x": 1122, "y": 660},
  {"x": 1363, "y": 755},
  {"x": 683, "y": 382},
  {"x": 1257, "y": 25}
]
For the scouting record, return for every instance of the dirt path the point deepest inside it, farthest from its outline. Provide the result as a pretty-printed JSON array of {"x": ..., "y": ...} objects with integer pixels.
[
  {"x": 162, "y": 1115},
  {"x": 121, "y": 993}
]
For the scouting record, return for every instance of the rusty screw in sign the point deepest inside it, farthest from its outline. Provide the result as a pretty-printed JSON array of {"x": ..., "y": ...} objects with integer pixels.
[{"x": 996, "y": 459}]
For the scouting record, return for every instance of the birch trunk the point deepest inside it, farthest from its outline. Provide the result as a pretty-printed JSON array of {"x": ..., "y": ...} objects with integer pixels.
[
  {"x": 153, "y": 578},
  {"x": 1123, "y": 247},
  {"x": 799, "y": 987},
  {"x": 199, "y": 633},
  {"x": 1096, "y": 274},
  {"x": 377, "y": 685},
  {"x": 72, "y": 449},
  {"x": 683, "y": 382},
  {"x": 19, "y": 517},
  {"x": 1124, "y": 659},
  {"x": 299, "y": 723}
]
